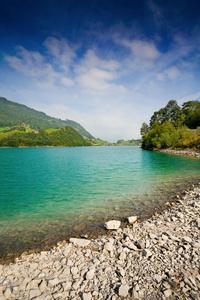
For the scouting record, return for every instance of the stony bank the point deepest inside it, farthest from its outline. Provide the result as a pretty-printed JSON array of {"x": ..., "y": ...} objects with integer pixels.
[{"x": 157, "y": 259}]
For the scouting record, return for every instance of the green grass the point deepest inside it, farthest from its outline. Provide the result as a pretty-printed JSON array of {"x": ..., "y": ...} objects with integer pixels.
[
  {"x": 99, "y": 142},
  {"x": 51, "y": 130}
]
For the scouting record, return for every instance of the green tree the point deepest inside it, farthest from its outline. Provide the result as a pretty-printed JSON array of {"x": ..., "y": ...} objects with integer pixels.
[
  {"x": 170, "y": 113},
  {"x": 144, "y": 129},
  {"x": 191, "y": 110}
]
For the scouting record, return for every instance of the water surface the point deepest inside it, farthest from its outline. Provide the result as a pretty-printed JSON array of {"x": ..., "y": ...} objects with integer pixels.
[{"x": 47, "y": 194}]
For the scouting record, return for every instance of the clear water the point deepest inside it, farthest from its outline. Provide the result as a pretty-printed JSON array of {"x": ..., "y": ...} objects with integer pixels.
[{"x": 47, "y": 194}]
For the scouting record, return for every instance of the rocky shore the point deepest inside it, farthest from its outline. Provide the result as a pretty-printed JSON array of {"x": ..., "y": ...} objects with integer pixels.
[
  {"x": 157, "y": 259},
  {"x": 179, "y": 152}
]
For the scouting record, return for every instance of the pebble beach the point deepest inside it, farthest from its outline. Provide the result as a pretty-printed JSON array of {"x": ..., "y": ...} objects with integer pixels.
[{"x": 155, "y": 259}]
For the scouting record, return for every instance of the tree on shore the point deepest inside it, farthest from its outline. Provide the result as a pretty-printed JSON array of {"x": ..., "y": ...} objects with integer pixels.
[{"x": 173, "y": 126}]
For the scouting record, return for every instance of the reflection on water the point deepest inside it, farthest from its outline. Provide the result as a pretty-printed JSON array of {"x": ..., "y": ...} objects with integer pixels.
[{"x": 48, "y": 194}]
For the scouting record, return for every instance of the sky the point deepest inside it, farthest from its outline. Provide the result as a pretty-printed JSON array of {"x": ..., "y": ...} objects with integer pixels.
[{"x": 106, "y": 64}]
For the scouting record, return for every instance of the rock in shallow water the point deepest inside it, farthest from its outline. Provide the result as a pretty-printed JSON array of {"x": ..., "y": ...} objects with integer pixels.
[
  {"x": 113, "y": 224},
  {"x": 132, "y": 219},
  {"x": 80, "y": 242}
]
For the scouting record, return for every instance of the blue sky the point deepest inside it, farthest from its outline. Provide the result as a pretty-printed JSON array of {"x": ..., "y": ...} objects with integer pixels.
[{"x": 107, "y": 64}]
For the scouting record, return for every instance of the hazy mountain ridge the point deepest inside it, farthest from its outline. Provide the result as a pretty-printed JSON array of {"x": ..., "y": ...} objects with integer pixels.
[{"x": 15, "y": 114}]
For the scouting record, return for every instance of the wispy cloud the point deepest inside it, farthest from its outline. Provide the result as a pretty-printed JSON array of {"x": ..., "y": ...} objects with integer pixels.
[
  {"x": 96, "y": 76},
  {"x": 62, "y": 51}
]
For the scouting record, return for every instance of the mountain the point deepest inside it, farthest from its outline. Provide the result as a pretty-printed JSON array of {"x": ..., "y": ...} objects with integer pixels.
[{"x": 15, "y": 114}]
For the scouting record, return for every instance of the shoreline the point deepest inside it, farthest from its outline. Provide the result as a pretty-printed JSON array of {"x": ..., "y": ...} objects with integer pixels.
[
  {"x": 179, "y": 152},
  {"x": 90, "y": 229},
  {"x": 157, "y": 259}
]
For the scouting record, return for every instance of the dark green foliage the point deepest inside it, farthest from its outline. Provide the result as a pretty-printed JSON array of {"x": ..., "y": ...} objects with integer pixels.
[
  {"x": 191, "y": 110},
  {"x": 14, "y": 114},
  {"x": 67, "y": 136},
  {"x": 173, "y": 127},
  {"x": 170, "y": 113}
]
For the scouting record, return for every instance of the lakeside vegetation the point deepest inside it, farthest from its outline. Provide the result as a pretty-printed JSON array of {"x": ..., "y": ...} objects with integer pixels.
[{"x": 173, "y": 127}]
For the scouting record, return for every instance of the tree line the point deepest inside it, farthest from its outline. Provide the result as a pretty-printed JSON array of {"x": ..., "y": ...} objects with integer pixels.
[
  {"x": 67, "y": 136},
  {"x": 173, "y": 127}
]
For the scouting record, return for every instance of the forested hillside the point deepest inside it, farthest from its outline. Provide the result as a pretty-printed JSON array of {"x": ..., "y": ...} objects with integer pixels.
[
  {"x": 67, "y": 136},
  {"x": 14, "y": 114},
  {"x": 173, "y": 127}
]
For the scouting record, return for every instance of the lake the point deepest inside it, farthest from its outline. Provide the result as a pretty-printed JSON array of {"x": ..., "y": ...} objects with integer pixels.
[{"x": 48, "y": 194}]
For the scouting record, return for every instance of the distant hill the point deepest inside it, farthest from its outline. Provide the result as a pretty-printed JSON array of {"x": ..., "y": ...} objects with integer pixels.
[
  {"x": 132, "y": 142},
  {"x": 19, "y": 137},
  {"x": 15, "y": 114}
]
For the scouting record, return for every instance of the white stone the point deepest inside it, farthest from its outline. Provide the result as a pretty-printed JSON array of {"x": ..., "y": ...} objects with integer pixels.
[
  {"x": 195, "y": 244},
  {"x": 135, "y": 295},
  {"x": 113, "y": 224},
  {"x": 108, "y": 246},
  {"x": 80, "y": 242},
  {"x": 132, "y": 219},
  {"x": 77, "y": 284},
  {"x": 33, "y": 266},
  {"x": 53, "y": 282},
  {"x": 15, "y": 289},
  {"x": 164, "y": 237},
  {"x": 34, "y": 293},
  {"x": 152, "y": 236},
  {"x": 90, "y": 274},
  {"x": 43, "y": 286},
  {"x": 67, "y": 286},
  {"x": 58, "y": 295},
  {"x": 147, "y": 253},
  {"x": 122, "y": 256},
  {"x": 186, "y": 239},
  {"x": 167, "y": 293},
  {"x": 158, "y": 278},
  {"x": 74, "y": 270},
  {"x": 87, "y": 296},
  {"x": 7, "y": 293},
  {"x": 69, "y": 262},
  {"x": 130, "y": 245},
  {"x": 67, "y": 250},
  {"x": 123, "y": 290},
  {"x": 33, "y": 283}
]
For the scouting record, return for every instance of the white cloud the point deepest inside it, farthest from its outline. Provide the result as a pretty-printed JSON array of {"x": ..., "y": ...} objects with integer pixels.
[
  {"x": 36, "y": 66},
  {"x": 188, "y": 97},
  {"x": 142, "y": 49},
  {"x": 96, "y": 76},
  {"x": 62, "y": 50},
  {"x": 67, "y": 82},
  {"x": 171, "y": 73},
  {"x": 27, "y": 62}
]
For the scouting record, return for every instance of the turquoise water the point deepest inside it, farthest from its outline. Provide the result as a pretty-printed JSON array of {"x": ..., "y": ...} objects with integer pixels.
[{"x": 47, "y": 194}]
